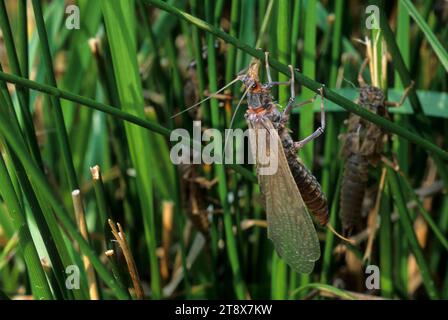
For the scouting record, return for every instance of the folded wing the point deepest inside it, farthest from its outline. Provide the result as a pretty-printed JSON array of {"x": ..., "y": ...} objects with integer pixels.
[{"x": 290, "y": 226}]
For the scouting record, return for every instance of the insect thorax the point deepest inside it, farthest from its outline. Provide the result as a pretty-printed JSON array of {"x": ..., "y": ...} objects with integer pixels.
[
  {"x": 260, "y": 104},
  {"x": 372, "y": 98},
  {"x": 260, "y": 99}
]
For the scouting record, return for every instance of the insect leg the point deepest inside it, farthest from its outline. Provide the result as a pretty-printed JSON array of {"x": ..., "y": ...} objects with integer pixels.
[
  {"x": 268, "y": 73},
  {"x": 319, "y": 130},
  {"x": 292, "y": 98},
  {"x": 403, "y": 98},
  {"x": 289, "y": 106},
  {"x": 276, "y": 83},
  {"x": 361, "y": 81},
  {"x": 287, "y": 110}
]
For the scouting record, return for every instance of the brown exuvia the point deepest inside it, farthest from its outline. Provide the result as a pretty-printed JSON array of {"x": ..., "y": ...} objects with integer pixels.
[{"x": 362, "y": 147}]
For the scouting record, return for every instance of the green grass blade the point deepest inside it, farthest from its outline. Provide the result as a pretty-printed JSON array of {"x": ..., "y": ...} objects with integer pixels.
[
  {"x": 442, "y": 222},
  {"x": 337, "y": 41},
  {"x": 25, "y": 114},
  {"x": 22, "y": 36},
  {"x": 385, "y": 245},
  {"x": 426, "y": 215},
  {"x": 329, "y": 237},
  {"x": 307, "y": 82},
  {"x": 5, "y": 222},
  {"x": 56, "y": 109},
  {"x": 279, "y": 276},
  {"x": 119, "y": 17},
  {"x": 115, "y": 111},
  {"x": 100, "y": 196},
  {"x": 264, "y": 24},
  {"x": 420, "y": 122},
  {"x": 39, "y": 179},
  {"x": 324, "y": 287},
  {"x": 434, "y": 103},
  {"x": 306, "y": 122},
  {"x": 306, "y": 125},
  {"x": 430, "y": 36},
  {"x": 401, "y": 147},
  {"x": 406, "y": 222},
  {"x": 38, "y": 280},
  {"x": 232, "y": 251},
  {"x": 57, "y": 251},
  {"x": 231, "y": 52},
  {"x": 295, "y": 28},
  {"x": 200, "y": 69}
]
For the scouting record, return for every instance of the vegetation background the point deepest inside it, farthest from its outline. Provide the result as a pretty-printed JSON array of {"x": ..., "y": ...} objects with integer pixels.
[{"x": 105, "y": 94}]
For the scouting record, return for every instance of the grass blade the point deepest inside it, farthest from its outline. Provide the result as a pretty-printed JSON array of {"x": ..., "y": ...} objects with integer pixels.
[
  {"x": 56, "y": 109},
  {"x": 25, "y": 115},
  {"x": 385, "y": 234},
  {"x": 119, "y": 18},
  {"x": 40, "y": 182},
  {"x": 231, "y": 246},
  {"x": 430, "y": 36},
  {"x": 406, "y": 222},
  {"x": 324, "y": 287},
  {"x": 420, "y": 122},
  {"x": 38, "y": 280},
  {"x": 306, "y": 126},
  {"x": 307, "y": 82}
]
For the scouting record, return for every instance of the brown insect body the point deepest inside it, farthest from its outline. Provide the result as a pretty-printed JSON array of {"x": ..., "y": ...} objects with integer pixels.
[
  {"x": 194, "y": 198},
  {"x": 309, "y": 187},
  {"x": 362, "y": 147},
  {"x": 260, "y": 104}
]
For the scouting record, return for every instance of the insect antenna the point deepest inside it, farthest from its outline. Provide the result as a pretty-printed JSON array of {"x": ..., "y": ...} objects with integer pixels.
[
  {"x": 234, "y": 115},
  {"x": 208, "y": 98}
]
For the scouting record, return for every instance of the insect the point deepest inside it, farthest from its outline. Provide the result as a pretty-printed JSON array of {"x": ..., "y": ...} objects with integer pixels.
[
  {"x": 193, "y": 198},
  {"x": 292, "y": 190},
  {"x": 362, "y": 147}
]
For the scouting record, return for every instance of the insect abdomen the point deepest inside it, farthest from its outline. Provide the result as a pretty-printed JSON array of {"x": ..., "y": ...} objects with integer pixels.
[
  {"x": 354, "y": 183},
  {"x": 193, "y": 199},
  {"x": 310, "y": 189}
]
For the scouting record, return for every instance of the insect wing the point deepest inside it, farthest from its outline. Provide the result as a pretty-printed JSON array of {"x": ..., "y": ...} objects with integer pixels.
[{"x": 290, "y": 226}]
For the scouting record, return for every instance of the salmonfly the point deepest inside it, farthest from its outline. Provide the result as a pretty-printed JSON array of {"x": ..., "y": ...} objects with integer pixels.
[
  {"x": 362, "y": 147},
  {"x": 292, "y": 190}
]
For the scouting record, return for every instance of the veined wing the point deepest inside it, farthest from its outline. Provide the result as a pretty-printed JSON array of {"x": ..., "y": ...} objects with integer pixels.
[{"x": 290, "y": 226}]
